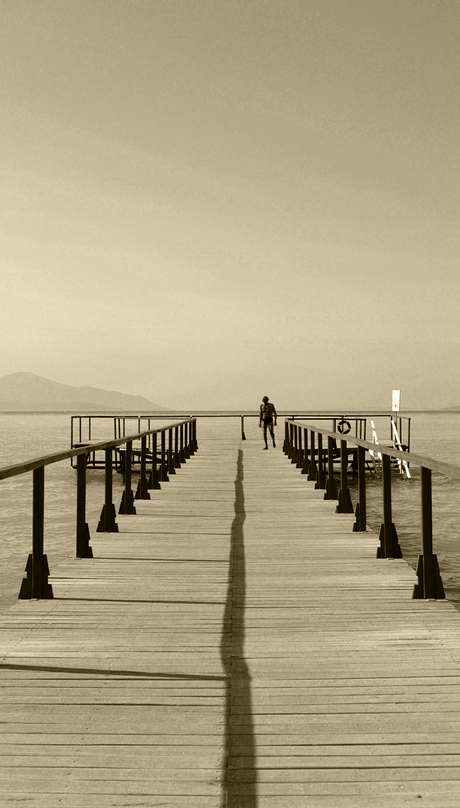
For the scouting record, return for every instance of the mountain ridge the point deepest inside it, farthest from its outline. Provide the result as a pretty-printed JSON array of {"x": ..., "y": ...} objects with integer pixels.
[{"x": 25, "y": 391}]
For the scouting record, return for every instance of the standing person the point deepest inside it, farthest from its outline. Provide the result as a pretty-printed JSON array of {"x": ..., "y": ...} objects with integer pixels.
[{"x": 268, "y": 417}]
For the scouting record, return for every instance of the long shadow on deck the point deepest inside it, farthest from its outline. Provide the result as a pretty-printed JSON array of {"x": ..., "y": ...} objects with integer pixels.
[{"x": 238, "y": 692}]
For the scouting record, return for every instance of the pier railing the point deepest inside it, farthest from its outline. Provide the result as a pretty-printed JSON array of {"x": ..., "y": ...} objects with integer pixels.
[
  {"x": 84, "y": 427},
  {"x": 170, "y": 447},
  {"x": 305, "y": 445}
]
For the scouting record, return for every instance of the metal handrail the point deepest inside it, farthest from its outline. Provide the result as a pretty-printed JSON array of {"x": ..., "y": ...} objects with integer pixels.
[
  {"x": 182, "y": 445},
  {"x": 57, "y": 457},
  {"x": 334, "y": 416},
  {"x": 300, "y": 436},
  {"x": 449, "y": 469},
  {"x": 329, "y": 415}
]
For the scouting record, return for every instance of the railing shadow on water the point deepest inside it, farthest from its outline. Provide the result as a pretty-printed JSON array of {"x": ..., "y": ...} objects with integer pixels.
[{"x": 239, "y": 726}]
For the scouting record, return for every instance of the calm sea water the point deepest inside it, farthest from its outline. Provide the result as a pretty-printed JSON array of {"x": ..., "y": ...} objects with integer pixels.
[{"x": 27, "y": 435}]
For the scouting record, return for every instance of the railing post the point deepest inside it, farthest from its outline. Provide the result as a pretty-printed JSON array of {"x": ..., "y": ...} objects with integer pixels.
[
  {"x": 188, "y": 442},
  {"x": 35, "y": 585},
  {"x": 312, "y": 470},
  {"x": 83, "y": 549},
  {"x": 331, "y": 488},
  {"x": 320, "y": 476},
  {"x": 243, "y": 436},
  {"x": 38, "y": 514},
  {"x": 345, "y": 504},
  {"x": 360, "y": 524},
  {"x": 295, "y": 450},
  {"x": 299, "y": 463},
  {"x": 290, "y": 441},
  {"x": 429, "y": 577},
  {"x": 154, "y": 476},
  {"x": 142, "y": 486},
  {"x": 176, "y": 448},
  {"x": 306, "y": 459},
  {"x": 191, "y": 444},
  {"x": 163, "y": 466},
  {"x": 389, "y": 544},
  {"x": 171, "y": 469},
  {"x": 286, "y": 438},
  {"x": 107, "y": 521},
  {"x": 194, "y": 438},
  {"x": 182, "y": 448},
  {"x": 127, "y": 498}
]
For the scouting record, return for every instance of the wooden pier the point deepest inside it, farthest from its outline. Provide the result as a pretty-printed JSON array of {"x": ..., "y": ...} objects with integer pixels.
[{"x": 236, "y": 644}]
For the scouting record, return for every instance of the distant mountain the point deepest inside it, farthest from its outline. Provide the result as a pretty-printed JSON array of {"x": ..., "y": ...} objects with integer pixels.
[{"x": 26, "y": 391}]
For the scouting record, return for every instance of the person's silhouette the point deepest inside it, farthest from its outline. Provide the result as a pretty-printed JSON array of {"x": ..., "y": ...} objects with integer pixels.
[{"x": 268, "y": 418}]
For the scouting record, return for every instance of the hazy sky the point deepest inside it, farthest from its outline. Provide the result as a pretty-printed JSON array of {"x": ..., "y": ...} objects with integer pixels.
[{"x": 206, "y": 201}]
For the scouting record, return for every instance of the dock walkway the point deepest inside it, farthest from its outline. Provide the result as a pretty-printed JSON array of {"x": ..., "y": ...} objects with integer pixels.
[{"x": 234, "y": 644}]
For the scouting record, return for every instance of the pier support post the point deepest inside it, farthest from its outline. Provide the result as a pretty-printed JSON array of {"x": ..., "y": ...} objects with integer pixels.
[
  {"x": 331, "y": 488},
  {"x": 107, "y": 521},
  {"x": 243, "y": 436},
  {"x": 429, "y": 577},
  {"x": 345, "y": 504},
  {"x": 35, "y": 585},
  {"x": 83, "y": 549},
  {"x": 360, "y": 524},
  {"x": 389, "y": 544}
]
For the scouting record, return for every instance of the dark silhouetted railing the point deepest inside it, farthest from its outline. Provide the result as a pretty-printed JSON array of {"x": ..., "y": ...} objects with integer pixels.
[
  {"x": 303, "y": 444},
  {"x": 177, "y": 443}
]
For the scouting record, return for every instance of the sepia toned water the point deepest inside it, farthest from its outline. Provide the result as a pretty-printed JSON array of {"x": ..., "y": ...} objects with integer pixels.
[{"x": 27, "y": 435}]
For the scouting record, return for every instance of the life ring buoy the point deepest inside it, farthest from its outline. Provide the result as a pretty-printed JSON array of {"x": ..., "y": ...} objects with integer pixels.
[{"x": 344, "y": 427}]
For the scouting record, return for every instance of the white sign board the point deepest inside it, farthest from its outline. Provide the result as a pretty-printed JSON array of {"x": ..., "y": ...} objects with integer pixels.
[{"x": 395, "y": 400}]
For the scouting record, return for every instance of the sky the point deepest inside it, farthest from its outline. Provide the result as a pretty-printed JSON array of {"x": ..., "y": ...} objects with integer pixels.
[{"x": 208, "y": 201}]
